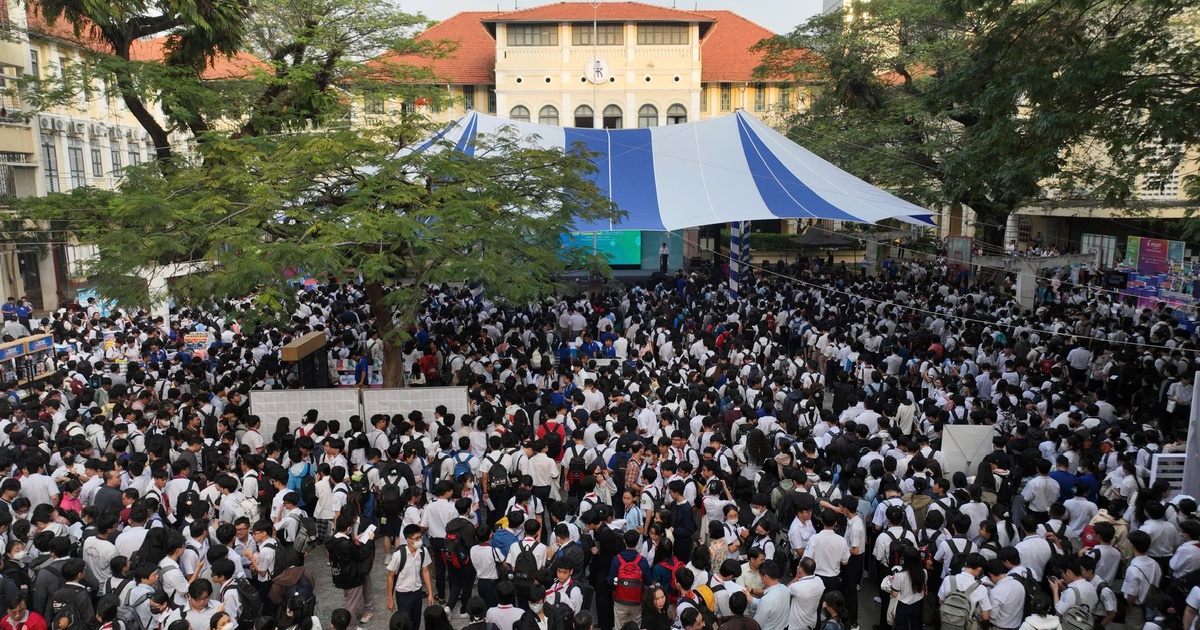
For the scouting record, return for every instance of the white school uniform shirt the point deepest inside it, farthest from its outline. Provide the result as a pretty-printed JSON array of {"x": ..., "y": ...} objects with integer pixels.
[{"x": 409, "y": 579}]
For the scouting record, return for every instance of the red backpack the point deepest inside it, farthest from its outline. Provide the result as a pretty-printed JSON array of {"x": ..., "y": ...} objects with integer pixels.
[
  {"x": 673, "y": 593},
  {"x": 455, "y": 553},
  {"x": 629, "y": 589}
]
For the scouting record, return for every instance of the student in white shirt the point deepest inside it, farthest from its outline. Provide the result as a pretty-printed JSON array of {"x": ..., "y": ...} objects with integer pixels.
[
  {"x": 408, "y": 573},
  {"x": 504, "y": 614},
  {"x": 488, "y": 562}
]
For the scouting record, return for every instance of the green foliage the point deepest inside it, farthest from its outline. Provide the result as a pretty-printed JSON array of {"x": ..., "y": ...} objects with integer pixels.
[
  {"x": 993, "y": 103},
  {"x": 338, "y": 203},
  {"x": 297, "y": 64}
]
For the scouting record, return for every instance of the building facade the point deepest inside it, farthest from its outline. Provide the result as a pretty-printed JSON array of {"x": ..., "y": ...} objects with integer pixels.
[{"x": 619, "y": 65}]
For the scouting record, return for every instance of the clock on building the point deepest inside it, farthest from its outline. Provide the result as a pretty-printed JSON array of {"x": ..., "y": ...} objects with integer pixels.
[{"x": 597, "y": 70}]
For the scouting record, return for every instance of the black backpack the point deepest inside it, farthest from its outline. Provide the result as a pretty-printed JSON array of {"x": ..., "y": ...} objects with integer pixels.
[
  {"x": 958, "y": 557},
  {"x": 250, "y": 603},
  {"x": 63, "y": 613},
  {"x": 554, "y": 442},
  {"x": 1030, "y": 587},
  {"x": 303, "y": 591},
  {"x": 525, "y": 567},
  {"x": 308, "y": 490},
  {"x": 896, "y": 549},
  {"x": 498, "y": 479},
  {"x": 391, "y": 499},
  {"x": 576, "y": 467},
  {"x": 183, "y": 505}
]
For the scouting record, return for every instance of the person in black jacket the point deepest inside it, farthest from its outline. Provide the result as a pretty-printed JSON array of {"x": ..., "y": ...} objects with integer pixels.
[
  {"x": 347, "y": 556},
  {"x": 606, "y": 544},
  {"x": 683, "y": 519},
  {"x": 536, "y": 616},
  {"x": 462, "y": 530}
]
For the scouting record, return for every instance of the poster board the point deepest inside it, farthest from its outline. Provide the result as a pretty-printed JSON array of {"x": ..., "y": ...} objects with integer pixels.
[
  {"x": 332, "y": 404},
  {"x": 958, "y": 251},
  {"x": 423, "y": 399},
  {"x": 964, "y": 446}
]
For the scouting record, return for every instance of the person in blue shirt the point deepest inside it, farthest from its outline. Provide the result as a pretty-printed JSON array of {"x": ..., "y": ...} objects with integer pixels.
[
  {"x": 1066, "y": 481},
  {"x": 157, "y": 354},
  {"x": 9, "y": 308},
  {"x": 24, "y": 311},
  {"x": 589, "y": 348}
]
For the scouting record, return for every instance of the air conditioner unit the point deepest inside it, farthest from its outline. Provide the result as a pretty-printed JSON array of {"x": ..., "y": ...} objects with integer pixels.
[
  {"x": 60, "y": 125},
  {"x": 46, "y": 123},
  {"x": 129, "y": 134},
  {"x": 145, "y": 137},
  {"x": 95, "y": 129},
  {"x": 114, "y": 133},
  {"x": 79, "y": 128}
]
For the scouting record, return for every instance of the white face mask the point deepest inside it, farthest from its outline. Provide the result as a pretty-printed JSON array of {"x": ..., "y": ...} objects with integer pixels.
[
  {"x": 732, "y": 521},
  {"x": 536, "y": 608},
  {"x": 417, "y": 545},
  {"x": 757, "y": 511}
]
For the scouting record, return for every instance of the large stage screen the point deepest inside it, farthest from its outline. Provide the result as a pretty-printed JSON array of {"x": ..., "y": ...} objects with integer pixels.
[{"x": 620, "y": 247}]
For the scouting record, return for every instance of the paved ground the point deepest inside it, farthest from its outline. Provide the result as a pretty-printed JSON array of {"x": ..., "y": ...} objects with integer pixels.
[{"x": 330, "y": 598}]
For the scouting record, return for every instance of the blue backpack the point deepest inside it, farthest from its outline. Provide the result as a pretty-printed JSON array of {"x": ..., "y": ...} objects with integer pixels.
[
  {"x": 294, "y": 480},
  {"x": 462, "y": 466}
]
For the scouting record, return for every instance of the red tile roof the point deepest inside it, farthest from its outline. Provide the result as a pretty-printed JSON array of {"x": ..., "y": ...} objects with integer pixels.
[
  {"x": 725, "y": 53},
  {"x": 239, "y": 66},
  {"x": 725, "y": 49},
  {"x": 606, "y": 12},
  {"x": 62, "y": 29},
  {"x": 473, "y": 59}
]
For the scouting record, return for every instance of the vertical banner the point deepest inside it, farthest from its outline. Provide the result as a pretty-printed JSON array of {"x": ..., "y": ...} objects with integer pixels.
[
  {"x": 1175, "y": 253},
  {"x": 739, "y": 255},
  {"x": 745, "y": 264},
  {"x": 735, "y": 258},
  {"x": 1191, "y": 465},
  {"x": 1132, "y": 245}
]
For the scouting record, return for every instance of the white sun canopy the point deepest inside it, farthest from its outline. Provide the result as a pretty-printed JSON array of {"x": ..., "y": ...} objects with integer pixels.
[{"x": 726, "y": 169}]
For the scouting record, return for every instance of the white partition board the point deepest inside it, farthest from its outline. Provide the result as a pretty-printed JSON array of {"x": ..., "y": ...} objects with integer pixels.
[
  {"x": 964, "y": 446},
  {"x": 423, "y": 399},
  {"x": 331, "y": 404}
]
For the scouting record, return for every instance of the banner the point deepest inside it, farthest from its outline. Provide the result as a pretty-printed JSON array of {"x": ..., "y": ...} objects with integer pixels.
[
  {"x": 1154, "y": 255},
  {"x": 1175, "y": 253},
  {"x": 958, "y": 250}
]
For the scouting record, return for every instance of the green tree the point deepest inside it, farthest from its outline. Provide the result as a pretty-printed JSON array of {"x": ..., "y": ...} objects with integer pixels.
[
  {"x": 304, "y": 63},
  {"x": 341, "y": 203},
  {"x": 995, "y": 103}
]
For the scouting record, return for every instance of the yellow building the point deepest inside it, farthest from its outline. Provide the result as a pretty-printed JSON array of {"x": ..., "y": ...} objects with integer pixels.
[
  {"x": 641, "y": 66},
  {"x": 84, "y": 143}
]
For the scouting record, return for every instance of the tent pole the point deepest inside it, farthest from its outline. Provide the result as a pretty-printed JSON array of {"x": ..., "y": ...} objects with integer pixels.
[{"x": 739, "y": 256}]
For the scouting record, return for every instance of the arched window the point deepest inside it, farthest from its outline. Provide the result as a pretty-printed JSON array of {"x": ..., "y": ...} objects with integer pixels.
[
  {"x": 520, "y": 113},
  {"x": 548, "y": 116},
  {"x": 613, "y": 118},
  {"x": 585, "y": 117},
  {"x": 647, "y": 116},
  {"x": 676, "y": 115}
]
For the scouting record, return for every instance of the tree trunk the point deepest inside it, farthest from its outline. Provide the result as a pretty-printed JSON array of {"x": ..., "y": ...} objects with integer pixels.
[{"x": 393, "y": 359}]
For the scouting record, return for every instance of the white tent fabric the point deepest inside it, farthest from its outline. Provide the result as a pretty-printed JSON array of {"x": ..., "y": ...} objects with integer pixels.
[{"x": 731, "y": 168}]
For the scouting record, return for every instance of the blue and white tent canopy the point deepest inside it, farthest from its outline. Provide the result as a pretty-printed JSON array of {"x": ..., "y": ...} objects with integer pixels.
[{"x": 731, "y": 168}]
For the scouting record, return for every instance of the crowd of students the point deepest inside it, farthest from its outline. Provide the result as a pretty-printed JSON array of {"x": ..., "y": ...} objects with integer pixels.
[{"x": 650, "y": 458}]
